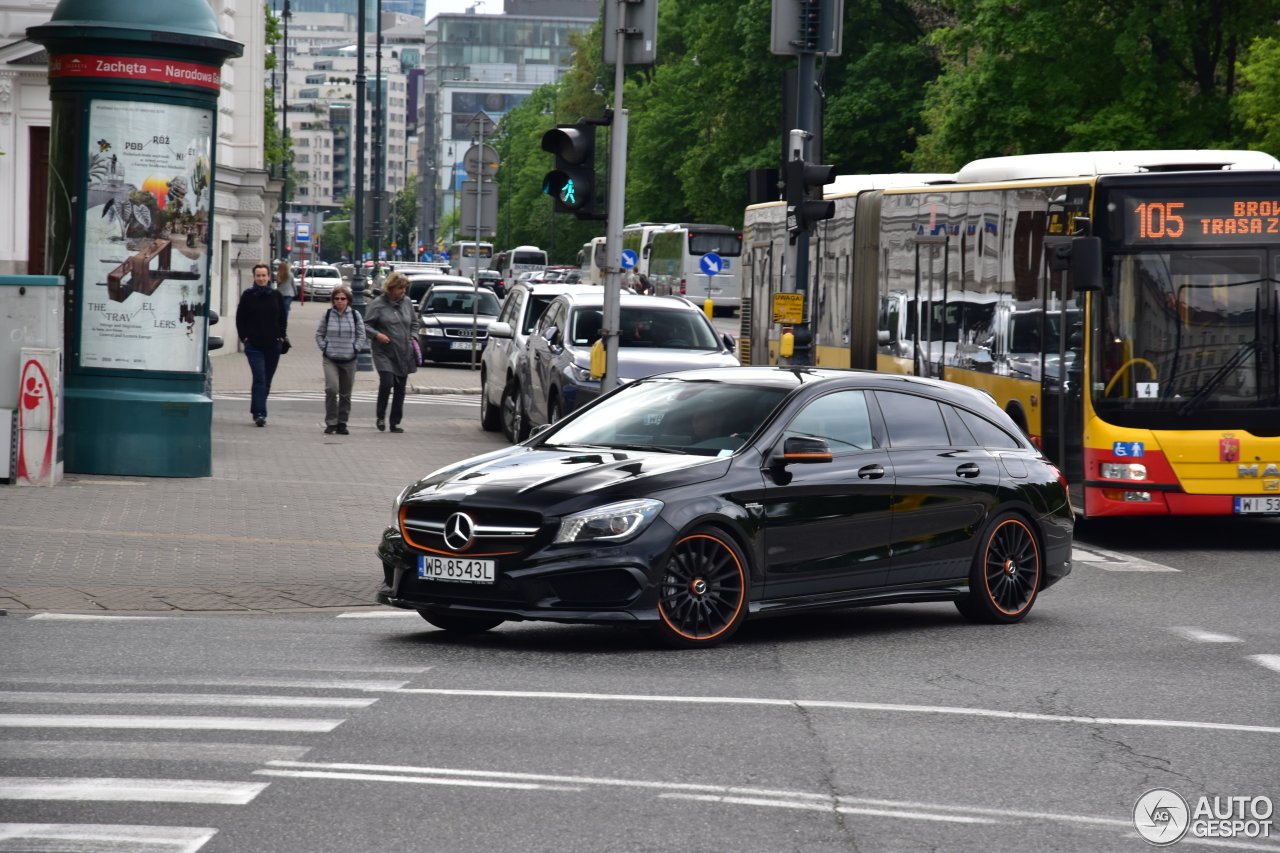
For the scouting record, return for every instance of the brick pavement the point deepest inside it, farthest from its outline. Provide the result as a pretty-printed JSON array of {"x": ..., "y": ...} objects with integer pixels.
[{"x": 289, "y": 518}]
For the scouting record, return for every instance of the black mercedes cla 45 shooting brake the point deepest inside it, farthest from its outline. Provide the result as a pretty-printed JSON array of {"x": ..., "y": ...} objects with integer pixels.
[{"x": 692, "y": 501}]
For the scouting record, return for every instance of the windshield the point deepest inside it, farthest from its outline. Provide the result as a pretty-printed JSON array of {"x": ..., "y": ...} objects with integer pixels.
[
  {"x": 725, "y": 245},
  {"x": 1194, "y": 334},
  {"x": 705, "y": 417},
  {"x": 461, "y": 302},
  {"x": 649, "y": 327}
]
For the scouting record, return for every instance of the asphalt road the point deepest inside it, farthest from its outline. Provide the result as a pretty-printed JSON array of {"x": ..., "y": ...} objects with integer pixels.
[{"x": 902, "y": 728}]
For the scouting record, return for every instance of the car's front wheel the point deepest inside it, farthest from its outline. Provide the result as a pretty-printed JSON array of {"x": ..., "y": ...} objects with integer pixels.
[
  {"x": 703, "y": 592},
  {"x": 514, "y": 423},
  {"x": 490, "y": 418},
  {"x": 459, "y": 623},
  {"x": 1006, "y": 573}
]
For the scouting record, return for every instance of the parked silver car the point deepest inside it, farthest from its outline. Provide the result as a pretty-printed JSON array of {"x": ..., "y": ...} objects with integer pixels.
[
  {"x": 500, "y": 367},
  {"x": 657, "y": 335},
  {"x": 318, "y": 280}
]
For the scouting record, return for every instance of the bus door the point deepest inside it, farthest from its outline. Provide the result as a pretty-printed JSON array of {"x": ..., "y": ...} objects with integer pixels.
[
  {"x": 1062, "y": 371},
  {"x": 756, "y": 310},
  {"x": 926, "y": 323}
]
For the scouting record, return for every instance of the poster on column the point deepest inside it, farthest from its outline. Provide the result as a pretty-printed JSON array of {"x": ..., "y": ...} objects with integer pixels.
[{"x": 146, "y": 237}]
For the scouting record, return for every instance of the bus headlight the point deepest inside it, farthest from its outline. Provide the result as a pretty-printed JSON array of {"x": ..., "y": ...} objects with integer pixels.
[{"x": 1124, "y": 471}]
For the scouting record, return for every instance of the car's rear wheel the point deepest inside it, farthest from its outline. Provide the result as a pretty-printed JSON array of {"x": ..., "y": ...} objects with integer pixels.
[
  {"x": 459, "y": 623},
  {"x": 1006, "y": 573},
  {"x": 514, "y": 423},
  {"x": 490, "y": 418},
  {"x": 703, "y": 593}
]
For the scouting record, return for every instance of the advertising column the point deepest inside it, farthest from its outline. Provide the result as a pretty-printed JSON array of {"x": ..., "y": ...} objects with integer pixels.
[{"x": 131, "y": 178}]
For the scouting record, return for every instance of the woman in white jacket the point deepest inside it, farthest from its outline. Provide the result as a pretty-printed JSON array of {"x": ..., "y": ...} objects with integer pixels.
[{"x": 340, "y": 336}]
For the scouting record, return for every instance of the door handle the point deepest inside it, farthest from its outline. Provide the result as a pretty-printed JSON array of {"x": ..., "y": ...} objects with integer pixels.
[
  {"x": 870, "y": 472},
  {"x": 969, "y": 469}
]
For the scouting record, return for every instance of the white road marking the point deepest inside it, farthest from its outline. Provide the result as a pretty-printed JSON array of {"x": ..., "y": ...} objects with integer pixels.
[
  {"x": 130, "y": 790},
  {"x": 68, "y": 617},
  {"x": 826, "y": 807},
  {"x": 468, "y": 400},
  {"x": 1269, "y": 661},
  {"x": 100, "y": 838},
  {"x": 150, "y": 750},
  {"x": 413, "y": 780},
  {"x": 233, "y": 700},
  {"x": 849, "y": 706},
  {"x": 1201, "y": 636},
  {"x": 299, "y": 683},
  {"x": 1112, "y": 561},
  {"x": 106, "y": 721},
  {"x": 377, "y": 614}
]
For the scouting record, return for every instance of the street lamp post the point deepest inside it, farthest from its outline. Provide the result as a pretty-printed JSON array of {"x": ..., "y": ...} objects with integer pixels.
[
  {"x": 284, "y": 121},
  {"x": 364, "y": 361}
]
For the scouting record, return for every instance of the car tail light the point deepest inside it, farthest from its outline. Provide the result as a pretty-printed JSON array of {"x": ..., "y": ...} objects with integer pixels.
[{"x": 682, "y": 290}]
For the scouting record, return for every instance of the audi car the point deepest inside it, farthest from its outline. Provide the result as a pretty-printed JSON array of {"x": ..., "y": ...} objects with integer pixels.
[
  {"x": 455, "y": 320},
  {"x": 689, "y": 502}
]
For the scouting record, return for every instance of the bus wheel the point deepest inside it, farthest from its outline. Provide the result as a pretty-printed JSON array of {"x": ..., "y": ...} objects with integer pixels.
[{"x": 1006, "y": 573}]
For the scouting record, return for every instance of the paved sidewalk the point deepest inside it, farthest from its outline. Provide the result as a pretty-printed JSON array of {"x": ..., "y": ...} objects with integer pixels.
[{"x": 289, "y": 518}]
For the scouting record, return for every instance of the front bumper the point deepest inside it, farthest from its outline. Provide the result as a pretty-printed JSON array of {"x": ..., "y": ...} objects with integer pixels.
[{"x": 559, "y": 583}]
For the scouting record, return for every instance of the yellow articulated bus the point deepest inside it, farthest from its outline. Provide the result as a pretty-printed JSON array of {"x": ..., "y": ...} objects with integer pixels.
[{"x": 1123, "y": 307}]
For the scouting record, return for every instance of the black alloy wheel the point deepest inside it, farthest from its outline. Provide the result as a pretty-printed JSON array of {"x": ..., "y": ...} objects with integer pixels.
[
  {"x": 703, "y": 594},
  {"x": 1006, "y": 573},
  {"x": 458, "y": 623},
  {"x": 515, "y": 426},
  {"x": 490, "y": 418}
]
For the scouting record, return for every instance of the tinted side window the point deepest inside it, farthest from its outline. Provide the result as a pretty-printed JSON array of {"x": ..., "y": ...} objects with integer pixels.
[
  {"x": 960, "y": 434},
  {"x": 987, "y": 433},
  {"x": 841, "y": 418},
  {"x": 912, "y": 421},
  {"x": 537, "y": 307}
]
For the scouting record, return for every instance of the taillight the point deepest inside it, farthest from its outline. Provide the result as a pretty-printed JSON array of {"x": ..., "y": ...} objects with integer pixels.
[{"x": 682, "y": 290}]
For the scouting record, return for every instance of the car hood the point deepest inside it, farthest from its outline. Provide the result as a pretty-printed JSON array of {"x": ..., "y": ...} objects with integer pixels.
[
  {"x": 640, "y": 362},
  {"x": 540, "y": 476},
  {"x": 459, "y": 319}
]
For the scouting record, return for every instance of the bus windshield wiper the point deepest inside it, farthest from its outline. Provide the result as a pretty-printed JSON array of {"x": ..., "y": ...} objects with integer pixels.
[{"x": 1246, "y": 349}]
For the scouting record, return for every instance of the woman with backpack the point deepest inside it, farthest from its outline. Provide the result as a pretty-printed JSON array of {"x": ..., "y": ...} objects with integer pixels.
[{"x": 340, "y": 336}]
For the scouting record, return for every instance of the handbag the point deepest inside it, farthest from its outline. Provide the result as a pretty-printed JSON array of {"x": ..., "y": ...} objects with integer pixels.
[
  {"x": 417, "y": 351},
  {"x": 285, "y": 346}
]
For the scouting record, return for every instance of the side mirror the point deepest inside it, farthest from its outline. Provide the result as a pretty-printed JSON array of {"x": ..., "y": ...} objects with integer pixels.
[
  {"x": 550, "y": 334},
  {"x": 801, "y": 450},
  {"x": 729, "y": 343},
  {"x": 499, "y": 330},
  {"x": 1086, "y": 263},
  {"x": 539, "y": 430}
]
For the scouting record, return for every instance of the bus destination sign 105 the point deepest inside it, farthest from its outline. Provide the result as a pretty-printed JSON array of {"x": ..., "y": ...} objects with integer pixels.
[{"x": 1200, "y": 220}]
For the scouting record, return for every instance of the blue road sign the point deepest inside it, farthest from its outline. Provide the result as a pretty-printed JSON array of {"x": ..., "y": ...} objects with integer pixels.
[
  {"x": 629, "y": 259},
  {"x": 302, "y": 233},
  {"x": 711, "y": 264}
]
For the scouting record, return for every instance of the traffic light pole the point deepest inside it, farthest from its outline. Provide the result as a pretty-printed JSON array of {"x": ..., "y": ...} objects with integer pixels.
[
  {"x": 803, "y": 352},
  {"x": 613, "y": 227}
]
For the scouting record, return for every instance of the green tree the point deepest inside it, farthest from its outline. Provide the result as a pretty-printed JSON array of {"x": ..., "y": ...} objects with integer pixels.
[
  {"x": 1258, "y": 102},
  {"x": 1069, "y": 75}
]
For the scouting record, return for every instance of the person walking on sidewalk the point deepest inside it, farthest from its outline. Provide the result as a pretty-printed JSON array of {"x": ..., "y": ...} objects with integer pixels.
[
  {"x": 262, "y": 323},
  {"x": 392, "y": 321},
  {"x": 340, "y": 336},
  {"x": 285, "y": 284}
]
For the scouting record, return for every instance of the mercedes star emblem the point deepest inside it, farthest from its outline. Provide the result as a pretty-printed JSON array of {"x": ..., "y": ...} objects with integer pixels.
[{"x": 459, "y": 531}]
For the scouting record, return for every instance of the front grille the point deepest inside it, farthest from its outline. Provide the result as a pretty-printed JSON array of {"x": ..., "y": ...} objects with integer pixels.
[
  {"x": 497, "y": 532},
  {"x": 468, "y": 333}
]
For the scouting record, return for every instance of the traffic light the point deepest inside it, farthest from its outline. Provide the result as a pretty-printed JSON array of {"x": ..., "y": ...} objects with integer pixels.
[
  {"x": 805, "y": 205},
  {"x": 572, "y": 184}
]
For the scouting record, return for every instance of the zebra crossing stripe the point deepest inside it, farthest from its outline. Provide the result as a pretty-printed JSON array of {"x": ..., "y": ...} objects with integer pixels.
[
  {"x": 104, "y": 837},
  {"x": 232, "y": 700},
  {"x": 83, "y": 789},
  {"x": 106, "y": 721}
]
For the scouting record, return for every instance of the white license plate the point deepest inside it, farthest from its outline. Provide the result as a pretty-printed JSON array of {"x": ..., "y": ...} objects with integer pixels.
[
  {"x": 1248, "y": 506},
  {"x": 455, "y": 569},
  {"x": 462, "y": 345}
]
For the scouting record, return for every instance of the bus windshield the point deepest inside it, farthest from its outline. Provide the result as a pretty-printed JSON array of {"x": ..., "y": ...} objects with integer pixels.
[{"x": 1192, "y": 334}]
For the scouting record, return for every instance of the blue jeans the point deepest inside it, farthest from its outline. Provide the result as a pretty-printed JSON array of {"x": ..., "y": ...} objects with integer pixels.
[
  {"x": 262, "y": 363},
  {"x": 288, "y": 303}
]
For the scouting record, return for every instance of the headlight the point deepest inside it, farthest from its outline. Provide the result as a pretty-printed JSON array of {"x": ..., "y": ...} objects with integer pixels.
[
  {"x": 433, "y": 331},
  {"x": 1124, "y": 471},
  {"x": 395, "y": 506},
  {"x": 580, "y": 374},
  {"x": 612, "y": 523}
]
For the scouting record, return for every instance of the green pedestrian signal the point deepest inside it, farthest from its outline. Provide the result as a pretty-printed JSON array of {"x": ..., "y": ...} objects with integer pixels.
[{"x": 572, "y": 183}]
